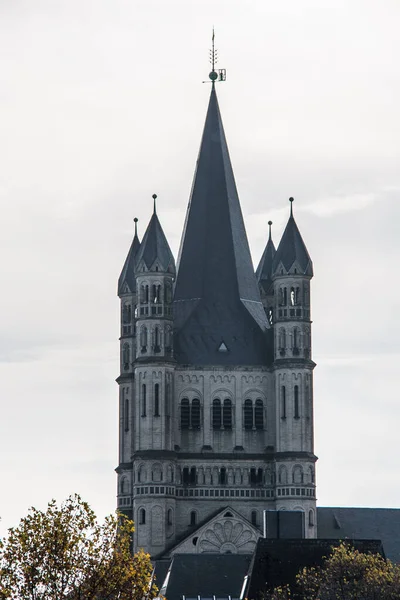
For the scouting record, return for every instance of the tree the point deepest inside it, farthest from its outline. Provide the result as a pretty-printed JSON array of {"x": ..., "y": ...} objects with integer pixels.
[{"x": 64, "y": 553}]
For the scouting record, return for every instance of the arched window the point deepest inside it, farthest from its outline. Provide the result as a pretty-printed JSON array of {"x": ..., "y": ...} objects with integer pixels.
[
  {"x": 282, "y": 475},
  {"x": 167, "y": 293},
  {"x": 227, "y": 414},
  {"x": 143, "y": 339},
  {"x": 126, "y": 357},
  {"x": 311, "y": 474},
  {"x": 296, "y": 340},
  {"x": 157, "y": 400},
  {"x": 259, "y": 414},
  {"x": 156, "y": 293},
  {"x": 126, "y": 314},
  {"x": 294, "y": 295},
  {"x": 193, "y": 518},
  {"x": 297, "y": 474},
  {"x": 185, "y": 413},
  {"x": 144, "y": 391},
  {"x": 157, "y": 339},
  {"x": 169, "y": 517},
  {"x": 216, "y": 414},
  {"x": 195, "y": 413},
  {"x": 283, "y": 399},
  {"x": 282, "y": 296},
  {"x": 311, "y": 518},
  {"x": 123, "y": 485},
  {"x": 248, "y": 414},
  {"x": 222, "y": 476},
  {"x": 282, "y": 340},
  {"x": 254, "y": 517},
  {"x": 168, "y": 339},
  {"x": 126, "y": 414},
  {"x": 296, "y": 402},
  {"x": 142, "y": 516}
]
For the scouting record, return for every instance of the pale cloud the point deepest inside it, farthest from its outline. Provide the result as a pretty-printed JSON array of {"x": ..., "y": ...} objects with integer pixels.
[{"x": 325, "y": 207}]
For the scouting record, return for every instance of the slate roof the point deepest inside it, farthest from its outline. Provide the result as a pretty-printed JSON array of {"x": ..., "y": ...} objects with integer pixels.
[
  {"x": 128, "y": 270},
  {"x": 206, "y": 575},
  {"x": 155, "y": 246},
  {"x": 264, "y": 269},
  {"x": 292, "y": 249},
  {"x": 277, "y": 562},
  {"x": 216, "y": 299},
  {"x": 362, "y": 523}
]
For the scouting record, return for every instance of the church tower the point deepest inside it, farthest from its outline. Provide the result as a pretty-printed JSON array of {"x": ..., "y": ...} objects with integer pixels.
[
  {"x": 216, "y": 374},
  {"x": 284, "y": 277}
]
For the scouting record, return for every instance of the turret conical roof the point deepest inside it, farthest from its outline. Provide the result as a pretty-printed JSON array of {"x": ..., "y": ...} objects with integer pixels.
[
  {"x": 292, "y": 250},
  {"x": 127, "y": 279},
  {"x": 155, "y": 248},
  {"x": 217, "y": 307},
  {"x": 264, "y": 269}
]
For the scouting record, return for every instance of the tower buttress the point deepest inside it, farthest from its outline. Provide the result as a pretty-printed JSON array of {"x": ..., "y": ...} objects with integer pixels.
[
  {"x": 293, "y": 368},
  {"x": 153, "y": 457},
  {"x": 127, "y": 292}
]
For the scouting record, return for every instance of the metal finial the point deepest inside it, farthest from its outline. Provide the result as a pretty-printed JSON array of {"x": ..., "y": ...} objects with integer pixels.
[
  {"x": 215, "y": 74},
  {"x": 291, "y": 200},
  {"x": 135, "y": 220},
  {"x": 154, "y": 196},
  {"x": 269, "y": 224}
]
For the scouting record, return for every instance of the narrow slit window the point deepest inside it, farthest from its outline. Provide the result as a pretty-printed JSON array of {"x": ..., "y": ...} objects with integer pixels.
[
  {"x": 222, "y": 476},
  {"x": 195, "y": 413},
  {"x": 216, "y": 414},
  {"x": 126, "y": 414},
  {"x": 227, "y": 414},
  {"x": 144, "y": 400},
  {"x": 254, "y": 517},
  {"x": 259, "y": 414},
  {"x": 142, "y": 516},
  {"x": 193, "y": 518},
  {"x": 157, "y": 400},
  {"x": 296, "y": 402},
  {"x": 248, "y": 414},
  {"x": 283, "y": 393},
  {"x": 185, "y": 414}
]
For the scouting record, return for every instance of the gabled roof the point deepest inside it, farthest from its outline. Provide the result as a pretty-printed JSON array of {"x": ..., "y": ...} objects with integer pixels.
[
  {"x": 154, "y": 247},
  {"x": 264, "y": 269},
  {"x": 292, "y": 250},
  {"x": 127, "y": 277},
  {"x": 232, "y": 529},
  {"x": 362, "y": 523},
  {"x": 216, "y": 294},
  {"x": 205, "y": 576}
]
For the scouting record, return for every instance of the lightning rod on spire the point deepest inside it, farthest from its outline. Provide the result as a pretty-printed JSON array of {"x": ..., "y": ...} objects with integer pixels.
[{"x": 215, "y": 74}]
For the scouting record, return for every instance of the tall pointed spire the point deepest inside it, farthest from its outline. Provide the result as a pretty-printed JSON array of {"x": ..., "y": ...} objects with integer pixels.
[
  {"x": 292, "y": 252},
  {"x": 264, "y": 269},
  {"x": 216, "y": 294},
  {"x": 127, "y": 280}
]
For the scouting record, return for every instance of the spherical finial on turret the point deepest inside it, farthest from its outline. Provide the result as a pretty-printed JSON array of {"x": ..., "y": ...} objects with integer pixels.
[
  {"x": 291, "y": 200},
  {"x": 269, "y": 224},
  {"x": 154, "y": 196},
  {"x": 213, "y": 76}
]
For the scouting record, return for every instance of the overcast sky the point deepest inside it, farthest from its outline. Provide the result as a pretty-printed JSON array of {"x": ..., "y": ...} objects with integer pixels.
[{"x": 101, "y": 105}]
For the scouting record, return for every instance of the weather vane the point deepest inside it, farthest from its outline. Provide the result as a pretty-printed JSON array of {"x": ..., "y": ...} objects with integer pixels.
[{"x": 216, "y": 74}]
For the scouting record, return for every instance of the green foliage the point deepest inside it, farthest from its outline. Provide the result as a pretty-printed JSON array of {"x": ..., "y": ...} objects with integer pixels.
[
  {"x": 63, "y": 553},
  {"x": 347, "y": 574}
]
